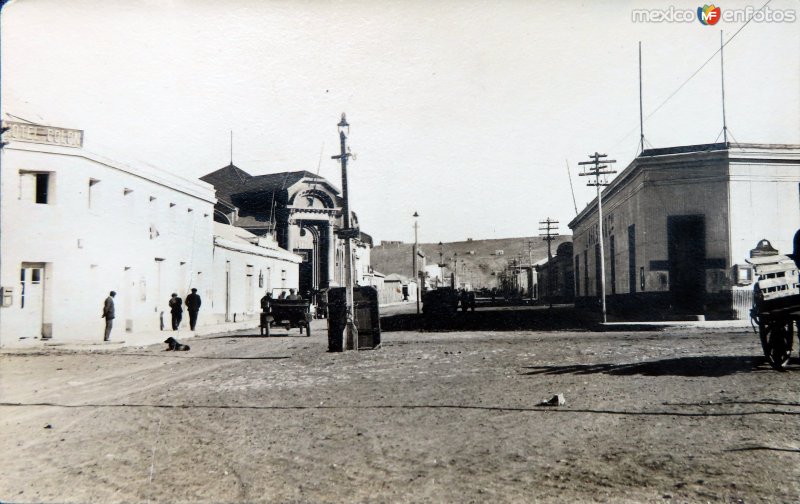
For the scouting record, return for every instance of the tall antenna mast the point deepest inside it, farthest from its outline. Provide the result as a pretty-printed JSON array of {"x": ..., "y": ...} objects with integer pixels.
[
  {"x": 231, "y": 146},
  {"x": 641, "y": 119},
  {"x": 722, "y": 72},
  {"x": 574, "y": 203}
]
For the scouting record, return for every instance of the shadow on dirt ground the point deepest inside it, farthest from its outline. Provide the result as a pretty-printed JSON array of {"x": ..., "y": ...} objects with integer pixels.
[
  {"x": 514, "y": 318},
  {"x": 702, "y": 366},
  {"x": 258, "y": 336}
]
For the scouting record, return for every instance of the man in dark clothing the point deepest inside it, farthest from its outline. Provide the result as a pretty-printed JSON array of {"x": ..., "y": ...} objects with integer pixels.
[
  {"x": 176, "y": 308},
  {"x": 265, "y": 302},
  {"x": 108, "y": 314},
  {"x": 193, "y": 303}
]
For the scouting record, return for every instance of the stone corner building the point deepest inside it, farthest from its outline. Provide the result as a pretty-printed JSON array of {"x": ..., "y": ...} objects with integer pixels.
[
  {"x": 302, "y": 211},
  {"x": 679, "y": 223}
]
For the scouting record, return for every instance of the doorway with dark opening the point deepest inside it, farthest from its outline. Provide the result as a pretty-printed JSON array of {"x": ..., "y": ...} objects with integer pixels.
[{"x": 686, "y": 238}]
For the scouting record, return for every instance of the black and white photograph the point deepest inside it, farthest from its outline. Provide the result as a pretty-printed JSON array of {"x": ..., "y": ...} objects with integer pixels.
[{"x": 382, "y": 251}]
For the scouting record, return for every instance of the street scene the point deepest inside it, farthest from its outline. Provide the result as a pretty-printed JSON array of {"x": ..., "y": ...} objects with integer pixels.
[
  {"x": 680, "y": 414},
  {"x": 372, "y": 251}
]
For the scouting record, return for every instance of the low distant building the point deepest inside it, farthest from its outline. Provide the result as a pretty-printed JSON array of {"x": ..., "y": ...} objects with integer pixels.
[
  {"x": 394, "y": 288},
  {"x": 678, "y": 224},
  {"x": 555, "y": 278}
]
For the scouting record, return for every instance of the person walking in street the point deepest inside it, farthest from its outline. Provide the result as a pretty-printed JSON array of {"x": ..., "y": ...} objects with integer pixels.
[
  {"x": 193, "y": 303},
  {"x": 176, "y": 308},
  {"x": 108, "y": 314}
]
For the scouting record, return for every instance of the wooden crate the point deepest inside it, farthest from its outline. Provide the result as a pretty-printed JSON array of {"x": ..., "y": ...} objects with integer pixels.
[{"x": 777, "y": 277}]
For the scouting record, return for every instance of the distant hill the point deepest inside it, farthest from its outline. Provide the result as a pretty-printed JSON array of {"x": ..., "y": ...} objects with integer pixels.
[{"x": 481, "y": 257}]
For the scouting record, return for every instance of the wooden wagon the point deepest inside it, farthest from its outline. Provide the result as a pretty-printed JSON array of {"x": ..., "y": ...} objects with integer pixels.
[
  {"x": 776, "y": 306},
  {"x": 287, "y": 313}
]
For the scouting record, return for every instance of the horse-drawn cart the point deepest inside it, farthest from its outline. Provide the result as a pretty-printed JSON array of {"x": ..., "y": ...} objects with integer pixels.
[
  {"x": 288, "y": 313},
  {"x": 776, "y": 306}
]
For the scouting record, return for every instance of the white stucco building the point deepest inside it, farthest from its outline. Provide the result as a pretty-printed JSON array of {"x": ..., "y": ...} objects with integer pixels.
[
  {"x": 75, "y": 226},
  {"x": 246, "y": 267}
]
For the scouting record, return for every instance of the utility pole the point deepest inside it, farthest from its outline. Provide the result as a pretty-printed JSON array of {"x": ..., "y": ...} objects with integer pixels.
[
  {"x": 598, "y": 168},
  {"x": 347, "y": 233},
  {"x": 550, "y": 229},
  {"x": 530, "y": 265}
]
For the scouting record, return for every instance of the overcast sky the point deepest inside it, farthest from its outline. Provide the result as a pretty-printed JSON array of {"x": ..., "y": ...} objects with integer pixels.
[{"x": 465, "y": 111}]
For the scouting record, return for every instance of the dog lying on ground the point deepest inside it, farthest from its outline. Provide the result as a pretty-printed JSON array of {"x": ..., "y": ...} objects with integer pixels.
[{"x": 175, "y": 345}]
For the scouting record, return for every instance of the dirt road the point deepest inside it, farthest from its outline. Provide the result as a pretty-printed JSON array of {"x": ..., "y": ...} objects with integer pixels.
[{"x": 675, "y": 416}]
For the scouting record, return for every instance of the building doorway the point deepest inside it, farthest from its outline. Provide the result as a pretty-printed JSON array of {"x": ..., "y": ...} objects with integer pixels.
[
  {"x": 313, "y": 246},
  {"x": 306, "y": 272},
  {"x": 31, "y": 279},
  {"x": 686, "y": 237}
]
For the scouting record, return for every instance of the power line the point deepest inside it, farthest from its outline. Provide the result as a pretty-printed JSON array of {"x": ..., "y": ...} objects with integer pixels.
[{"x": 668, "y": 98}]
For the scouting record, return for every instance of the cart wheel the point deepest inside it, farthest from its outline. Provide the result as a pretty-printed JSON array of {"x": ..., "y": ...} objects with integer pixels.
[{"x": 776, "y": 341}]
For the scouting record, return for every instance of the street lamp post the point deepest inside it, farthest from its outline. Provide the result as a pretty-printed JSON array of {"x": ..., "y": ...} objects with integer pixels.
[
  {"x": 441, "y": 264},
  {"x": 455, "y": 268},
  {"x": 351, "y": 340},
  {"x": 414, "y": 261}
]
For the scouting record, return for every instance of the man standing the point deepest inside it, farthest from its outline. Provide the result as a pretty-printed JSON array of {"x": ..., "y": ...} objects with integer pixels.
[
  {"x": 176, "y": 308},
  {"x": 265, "y": 302},
  {"x": 108, "y": 314},
  {"x": 193, "y": 303}
]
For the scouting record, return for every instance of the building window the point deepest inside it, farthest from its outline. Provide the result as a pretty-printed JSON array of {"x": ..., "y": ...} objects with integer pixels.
[
  {"x": 613, "y": 253},
  {"x": 586, "y": 273},
  {"x": 92, "y": 182},
  {"x": 578, "y": 274},
  {"x": 632, "y": 258},
  {"x": 34, "y": 187},
  {"x": 42, "y": 181},
  {"x": 249, "y": 287},
  {"x": 597, "y": 271},
  {"x": 22, "y": 288}
]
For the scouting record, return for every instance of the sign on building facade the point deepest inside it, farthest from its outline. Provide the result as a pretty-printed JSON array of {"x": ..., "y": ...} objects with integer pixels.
[{"x": 50, "y": 135}]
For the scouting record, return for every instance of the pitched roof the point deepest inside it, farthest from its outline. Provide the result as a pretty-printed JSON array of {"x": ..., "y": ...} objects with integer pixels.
[
  {"x": 244, "y": 190},
  {"x": 228, "y": 179}
]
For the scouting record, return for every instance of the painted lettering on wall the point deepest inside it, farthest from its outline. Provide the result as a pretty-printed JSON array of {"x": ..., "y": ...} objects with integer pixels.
[
  {"x": 33, "y": 133},
  {"x": 593, "y": 231}
]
